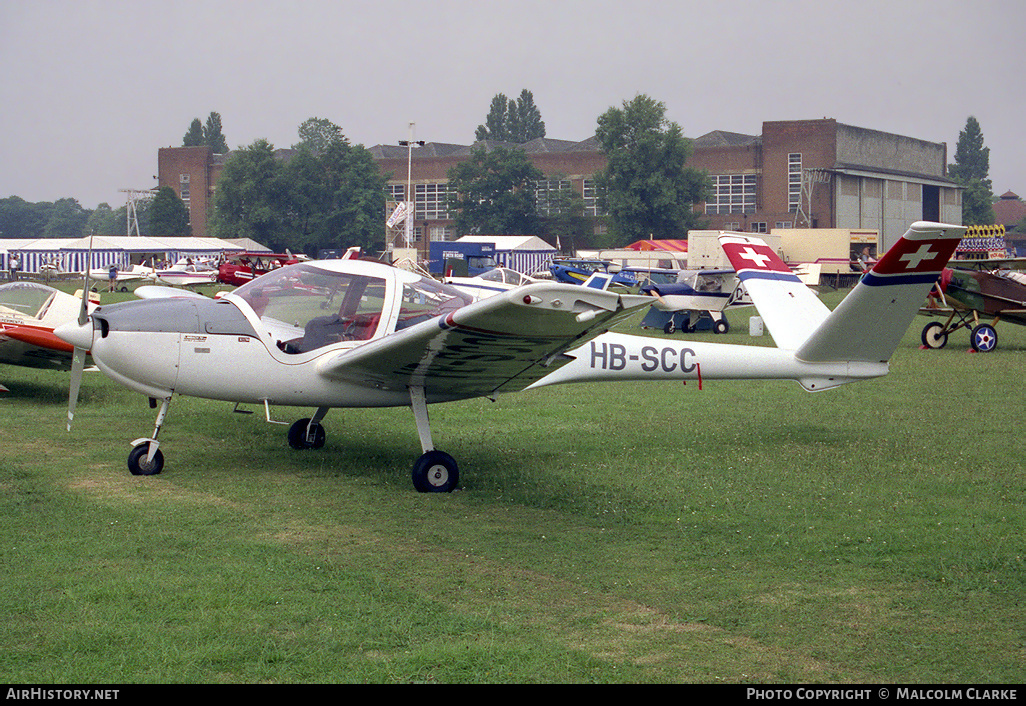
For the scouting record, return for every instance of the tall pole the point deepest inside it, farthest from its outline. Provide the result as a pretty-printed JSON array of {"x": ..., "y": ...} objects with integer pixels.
[
  {"x": 409, "y": 183},
  {"x": 409, "y": 186}
]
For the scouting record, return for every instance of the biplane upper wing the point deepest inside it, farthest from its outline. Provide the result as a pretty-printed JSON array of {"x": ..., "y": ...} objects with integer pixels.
[{"x": 499, "y": 344}]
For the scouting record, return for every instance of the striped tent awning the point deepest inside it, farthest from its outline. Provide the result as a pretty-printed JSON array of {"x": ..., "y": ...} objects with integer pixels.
[{"x": 664, "y": 245}]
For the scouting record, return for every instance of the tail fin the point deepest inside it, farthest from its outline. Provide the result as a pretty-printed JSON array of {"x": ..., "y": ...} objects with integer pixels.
[
  {"x": 790, "y": 310},
  {"x": 868, "y": 325},
  {"x": 870, "y": 322}
]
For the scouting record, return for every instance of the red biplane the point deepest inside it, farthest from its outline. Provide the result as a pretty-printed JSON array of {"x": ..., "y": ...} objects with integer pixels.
[{"x": 239, "y": 268}]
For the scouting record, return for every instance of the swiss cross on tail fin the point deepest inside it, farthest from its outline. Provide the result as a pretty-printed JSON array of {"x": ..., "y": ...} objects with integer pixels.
[
  {"x": 752, "y": 258},
  {"x": 913, "y": 260}
]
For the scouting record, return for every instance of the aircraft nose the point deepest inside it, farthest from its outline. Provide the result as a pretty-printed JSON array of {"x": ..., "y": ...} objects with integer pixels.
[{"x": 78, "y": 335}]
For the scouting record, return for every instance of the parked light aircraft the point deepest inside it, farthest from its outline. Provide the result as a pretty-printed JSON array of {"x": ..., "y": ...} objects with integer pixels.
[
  {"x": 135, "y": 273},
  {"x": 695, "y": 294},
  {"x": 184, "y": 273},
  {"x": 29, "y": 312},
  {"x": 351, "y": 333},
  {"x": 963, "y": 296},
  {"x": 486, "y": 284}
]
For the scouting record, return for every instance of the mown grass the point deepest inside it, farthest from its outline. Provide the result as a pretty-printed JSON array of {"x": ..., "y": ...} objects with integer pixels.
[{"x": 747, "y": 532}]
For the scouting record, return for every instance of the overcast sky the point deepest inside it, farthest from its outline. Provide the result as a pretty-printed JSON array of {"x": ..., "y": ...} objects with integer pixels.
[{"x": 89, "y": 90}]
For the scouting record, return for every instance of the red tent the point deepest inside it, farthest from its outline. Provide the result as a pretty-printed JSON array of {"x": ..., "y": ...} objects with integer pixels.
[{"x": 667, "y": 245}]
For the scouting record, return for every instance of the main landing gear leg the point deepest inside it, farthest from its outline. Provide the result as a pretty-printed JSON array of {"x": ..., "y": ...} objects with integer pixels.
[
  {"x": 435, "y": 471},
  {"x": 145, "y": 458}
]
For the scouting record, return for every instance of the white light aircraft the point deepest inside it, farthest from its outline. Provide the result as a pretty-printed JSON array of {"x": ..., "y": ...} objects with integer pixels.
[
  {"x": 490, "y": 283},
  {"x": 184, "y": 273},
  {"x": 29, "y": 312},
  {"x": 351, "y": 333}
]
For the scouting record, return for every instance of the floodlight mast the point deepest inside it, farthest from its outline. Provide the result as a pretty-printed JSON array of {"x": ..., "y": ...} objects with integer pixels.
[
  {"x": 408, "y": 144},
  {"x": 134, "y": 196}
]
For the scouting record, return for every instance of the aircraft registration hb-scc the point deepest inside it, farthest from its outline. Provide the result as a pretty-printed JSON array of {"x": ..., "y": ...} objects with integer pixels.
[{"x": 353, "y": 333}]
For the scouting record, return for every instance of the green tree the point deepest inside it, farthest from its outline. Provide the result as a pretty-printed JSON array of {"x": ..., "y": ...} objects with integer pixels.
[
  {"x": 67, "y": 220},
  {"x": 336, "y": 198},
  {"x": 516, "y": 121},
  {"x": 251, "y": 197},
  {"x": 103, "y": 221},
  {"x": 209, "y": 134},
  {"x": 169, "y": 216},
  {"x": 331, "y": 199},
  {"x": 23, "y": 219},
  {"x": 971, "y": 170},
  {"x": 212, "y": 135},
  {"x": 194, "y": 137},
  {"x": 315, "y": 134},
  {"x": 526, "y": 123},
  {"x": 493, "y": 193},
  {"x": 646, "y": 187},
  {"x": 495, "y": 126}
]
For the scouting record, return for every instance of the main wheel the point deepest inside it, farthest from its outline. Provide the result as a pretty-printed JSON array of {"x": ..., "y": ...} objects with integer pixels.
[
  {"x": 934, "y": 336},
  {"x": 435, "y": 472},
  {"x": 721, "y": 326},
  {"x": 298, "y": 438},
  {"x": 983, "y": 339},
  {"x": 669, "y": 327},
  {"x": 138, "y": 465}
]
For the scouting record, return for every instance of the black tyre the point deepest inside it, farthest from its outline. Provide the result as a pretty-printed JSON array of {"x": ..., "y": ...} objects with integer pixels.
[
  {"x": 435, "y": 472},
  {"x": 137, "y": 461},
  {"x": 721, "y": 326},
  {"x": 298, "y": 438}
]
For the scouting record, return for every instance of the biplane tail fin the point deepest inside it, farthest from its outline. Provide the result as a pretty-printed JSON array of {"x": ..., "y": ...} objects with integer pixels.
[{"x": 868, "y": 324}]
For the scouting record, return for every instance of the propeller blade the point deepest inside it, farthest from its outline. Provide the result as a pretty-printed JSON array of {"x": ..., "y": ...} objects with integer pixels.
[
  {"x": 78, "y": 358},
  {"x": 77, "y": 364},
  {"x": 83, "y": 313}
]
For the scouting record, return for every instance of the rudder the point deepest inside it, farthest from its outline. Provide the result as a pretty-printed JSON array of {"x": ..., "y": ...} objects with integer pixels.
[{"x": 869, "y": 323}]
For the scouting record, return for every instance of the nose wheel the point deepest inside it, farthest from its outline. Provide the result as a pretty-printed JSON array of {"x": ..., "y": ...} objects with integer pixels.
[
  {"x": 145, "y": 459},
  {"x": 141, "y": 463}
]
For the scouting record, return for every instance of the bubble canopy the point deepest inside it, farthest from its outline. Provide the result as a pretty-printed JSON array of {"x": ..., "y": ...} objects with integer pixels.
[{"x": 314, "y": 304}]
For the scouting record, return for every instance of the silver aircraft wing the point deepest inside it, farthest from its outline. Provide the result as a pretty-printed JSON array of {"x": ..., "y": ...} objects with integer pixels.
[{"x": 500, "y": 344}]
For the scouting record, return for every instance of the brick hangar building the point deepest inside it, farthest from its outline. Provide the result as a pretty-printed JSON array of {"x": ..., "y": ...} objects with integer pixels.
[{"x": 796, "y": 174}]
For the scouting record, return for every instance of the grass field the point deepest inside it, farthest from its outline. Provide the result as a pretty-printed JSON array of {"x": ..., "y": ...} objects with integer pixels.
[{"x": 747, "y": 532}]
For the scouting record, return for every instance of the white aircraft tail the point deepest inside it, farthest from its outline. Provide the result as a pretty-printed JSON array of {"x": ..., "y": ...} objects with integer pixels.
[{"x": 870, "y": 322}]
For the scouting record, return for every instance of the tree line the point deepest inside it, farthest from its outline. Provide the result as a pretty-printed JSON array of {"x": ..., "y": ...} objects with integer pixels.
[
  {"x": 328, "y": 193},
  {"x": 163, "y": 215}
]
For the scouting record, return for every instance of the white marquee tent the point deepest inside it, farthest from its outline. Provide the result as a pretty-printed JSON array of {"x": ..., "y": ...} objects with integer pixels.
[
  {"x": 524, "y": 253},
  {"x": 70, "y": 254}
]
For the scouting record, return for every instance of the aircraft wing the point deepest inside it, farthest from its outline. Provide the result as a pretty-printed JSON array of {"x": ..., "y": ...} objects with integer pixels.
[
  {"x": 156, "y": 291},
  {"x": 499, "y": 344}
]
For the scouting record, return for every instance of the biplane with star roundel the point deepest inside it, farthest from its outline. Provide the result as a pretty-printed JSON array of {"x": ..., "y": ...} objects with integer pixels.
[{"x": 977, "y": 300}]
